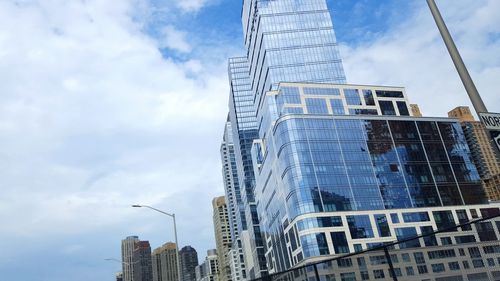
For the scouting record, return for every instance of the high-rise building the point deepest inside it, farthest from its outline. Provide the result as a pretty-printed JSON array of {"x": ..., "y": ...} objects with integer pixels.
[
  {"x": 142, "y": 266},
  {"x": 128, "y": 246},
  {"x": 285, "y": 41},
  {"x": 164, "y": 260},
  {"x": 325, "y": 168},
  {"x": 189, "y": 261},
  {"x": 235, "y": 206},
  {"x": 482, "y": 150},
  {"x": 222, "y": 237},
  {"x": 209, "y": 269}
]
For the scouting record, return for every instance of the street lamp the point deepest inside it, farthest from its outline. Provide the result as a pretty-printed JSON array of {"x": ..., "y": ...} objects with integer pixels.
[
  {"x": 175, "y": 233},
  {"x": 119, "y": 261}
]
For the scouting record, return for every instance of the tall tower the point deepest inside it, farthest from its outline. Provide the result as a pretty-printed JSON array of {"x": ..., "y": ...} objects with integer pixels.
[
  {"x": 326, "y": 168},
  {"x": 222, "y": 237},
  {"x": 189, "y": 261},
  {"x": 164, "y": 260},
  {"x": 128, "y": 246},
  {"x": 236, "y": 211},
  {"x": 143, "y": 270},
  {"x": 285, "y": 41}
]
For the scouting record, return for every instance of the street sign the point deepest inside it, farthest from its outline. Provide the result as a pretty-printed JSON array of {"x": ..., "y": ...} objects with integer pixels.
[{"x": 490, "y": 120}]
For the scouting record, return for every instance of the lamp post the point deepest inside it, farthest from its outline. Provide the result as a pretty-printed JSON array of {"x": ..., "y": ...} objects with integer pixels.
[
  {"x": 469, "y": 85},
  {"x": 175, "y": 233}
]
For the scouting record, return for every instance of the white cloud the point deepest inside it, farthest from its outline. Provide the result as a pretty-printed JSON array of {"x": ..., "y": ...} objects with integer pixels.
[
  {"x": 175, "y": 40},
  {"x": 93, "y": 119},
  {"x": 191, "y": 5},
  {"x": 413, "y": 55}
]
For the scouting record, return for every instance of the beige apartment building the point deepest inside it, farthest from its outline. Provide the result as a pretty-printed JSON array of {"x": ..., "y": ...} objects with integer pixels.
[{"x": 483, "y": 153}]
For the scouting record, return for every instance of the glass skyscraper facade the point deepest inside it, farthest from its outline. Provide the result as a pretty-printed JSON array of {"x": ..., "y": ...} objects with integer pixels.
[
  {"x": 285, "y": 41},
  {"x": 321, "y": 164}
]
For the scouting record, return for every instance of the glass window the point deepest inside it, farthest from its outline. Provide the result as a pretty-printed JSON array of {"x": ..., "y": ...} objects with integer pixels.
[
  {"x": 361, "y": 262},
  {"x": 382, "y": 226},
  {"x": 429, "y": 240},
  {"x": 454, "y": 265},
  {"x": 316, "y": 106},
  {"x": 465, "y": 239},
  {"x": 474, "y": 252},
  {"x": 404, "y": 233},
  {"x": 290, "y": 95},
  {"x": 389, "y": 94},
  {"x": 358, "y": 248},
  {"x": 322, "y": 91},
  {"x": 387, "y": 108},
  {"x": 378, "y": 274},
  {"x": 340, "y": 242},
  {"x": 486, "y": 231},
  {"x": 403, "y": 108},
  {"x": 352, "y": 97},
  {"x": 419, "y": 258},
  {"x": 438, "y": 267},
  {"x": 446, "y": 241},
  {"x": 360, "y": 227},
  {"x": 463, "y": 218},
  {"x": 364, "y": 275},
  {"x": 491, "y": 262},
  {"x": 368, "y": 95},
  {"x": 348, "y": 276},
  {"x": 409, "y": 271},
  {"x": 444, "y": 220},
  {"x": 406, "y": 257},
  {"x": 422, "y": 269},
  {"x": 337, "y": 107},
  {"x": 466, "y": 264},
  {"x": 344, "y": 262},
  {"x": 416, "y": 217},
  {"x": 394, "y": 218},
  {"x": 478, "y": 263},
  {"x": 314, "y": 245}
]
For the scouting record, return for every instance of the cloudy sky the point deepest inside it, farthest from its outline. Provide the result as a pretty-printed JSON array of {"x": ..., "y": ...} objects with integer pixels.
[{"x": 105, "y": 103}]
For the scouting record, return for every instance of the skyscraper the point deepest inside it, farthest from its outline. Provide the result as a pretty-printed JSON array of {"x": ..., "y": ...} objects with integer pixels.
[
  {"x": 326, "y": 168},
  {"x": 128, "y": 246},
  {"x": 237, "y": 222},
  {"x": 209, "y": 269},
  {"x": 222, "y": 237},
  {"x": 189, "y": 261},
  {"x": 142, "y": 266},
  {"x": 285, "y": 41},
  {"x": 482, "y": 150},
  {"x": 164, "y": 260}
]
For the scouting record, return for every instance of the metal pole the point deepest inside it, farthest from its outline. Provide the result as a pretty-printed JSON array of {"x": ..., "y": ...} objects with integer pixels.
[
  {"x": 469, "y": 85},
  {"x": 391, "y": 266},
  {"x": 179, "y": 272}
]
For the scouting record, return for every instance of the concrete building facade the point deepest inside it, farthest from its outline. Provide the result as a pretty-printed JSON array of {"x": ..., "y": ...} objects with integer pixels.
[
  {"x": 222, "y": 237},
  {"x": 164, "y": 262},
  {"x": 128, "y": 246},
  {"x": 209, "y": 269}
]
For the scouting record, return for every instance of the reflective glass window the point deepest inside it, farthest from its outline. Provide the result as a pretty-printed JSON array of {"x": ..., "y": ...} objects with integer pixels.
[
  {"x": 316, "y": 106},
  {"x": 368, "y": 95},
  {"x": 403, "y": 108},
  {"x": 389, "y": 94},
  {"x": 352, "y": 97},
  {"x": 360, "y": 227},
  {"x": 387, "y": 107}
]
